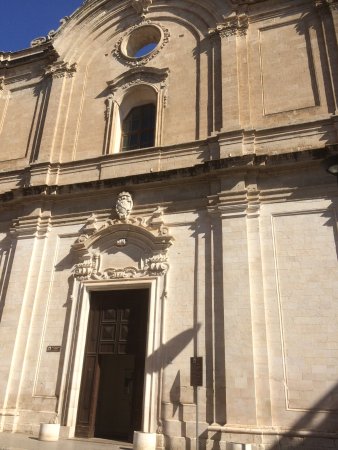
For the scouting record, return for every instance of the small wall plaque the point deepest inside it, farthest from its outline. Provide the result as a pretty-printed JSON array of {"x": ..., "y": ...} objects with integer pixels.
[
  {"x": 196, "y": 371},
  {"x": 54, "y": 348}
]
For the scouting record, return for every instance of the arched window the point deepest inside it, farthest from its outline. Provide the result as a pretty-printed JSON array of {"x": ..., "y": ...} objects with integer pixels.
[
  {"x": 135, "y": 110},
  {"x": 138, "y": 128}
]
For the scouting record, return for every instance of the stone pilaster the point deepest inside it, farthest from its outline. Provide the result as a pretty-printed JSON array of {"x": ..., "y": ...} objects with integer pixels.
[
  {"x": 233, "y": 313},
  {"x": 231, "y": 33},
  {"x": 29, "y": 244},
  {"x": 258, "y": 308},
  {"x": 60, "y": 77}
]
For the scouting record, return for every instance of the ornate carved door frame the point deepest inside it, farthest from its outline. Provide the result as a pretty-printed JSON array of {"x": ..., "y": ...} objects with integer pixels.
[{"x": 152, "y": 386}]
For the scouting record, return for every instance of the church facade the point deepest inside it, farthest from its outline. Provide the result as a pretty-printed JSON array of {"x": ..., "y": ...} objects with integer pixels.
[{"x": 168, "y": 234}]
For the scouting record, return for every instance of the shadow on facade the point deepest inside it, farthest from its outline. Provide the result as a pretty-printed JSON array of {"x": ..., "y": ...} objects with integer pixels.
[
  {"x": 332, "y": 220},
  {"x": 321, "y": 428},
  {"x": 320, "y": 20},
  {"x": 65, "y": 337},
  {"x": 209, "y": 304},
  {"x": 211, "y": 48},
  {"x": 42, "y": 92},
  {"x": 167, "y": 352},
  {"x": 7, "y": 246}
]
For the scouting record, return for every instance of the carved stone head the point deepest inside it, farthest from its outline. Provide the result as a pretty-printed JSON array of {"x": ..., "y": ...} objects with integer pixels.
[{"x": 124, "y": 205}]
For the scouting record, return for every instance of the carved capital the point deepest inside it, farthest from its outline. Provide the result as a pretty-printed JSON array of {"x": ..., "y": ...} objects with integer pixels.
[
  {"x": 331, "y": 4},
  {"x": 61, "y": 70},
  {"x": 87, "y": 268},
  {"x": 157, "y": 265},
  {"x": 141, "y": 6},
  {"x": 236, "y": 25},
  {"x": 109, "y": 106}
]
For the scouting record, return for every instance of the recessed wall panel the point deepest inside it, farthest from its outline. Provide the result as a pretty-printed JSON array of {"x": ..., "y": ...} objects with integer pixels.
[
  {"x": 288, "y": 76},
  {"x": 307, "y": 267},
  {"x": 16, "y": 132}
]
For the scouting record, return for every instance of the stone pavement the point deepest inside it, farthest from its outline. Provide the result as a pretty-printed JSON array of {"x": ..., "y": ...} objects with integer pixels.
[{"x": 10, "y": 441}]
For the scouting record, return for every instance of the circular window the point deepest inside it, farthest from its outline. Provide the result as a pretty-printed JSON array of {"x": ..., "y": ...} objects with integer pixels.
[{"x": 141, "y": 41}]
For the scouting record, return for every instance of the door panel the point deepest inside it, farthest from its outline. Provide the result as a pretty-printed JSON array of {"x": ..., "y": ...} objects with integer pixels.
[
  {"x": 111, "y": 396},
  {"x": 113, "y": 417}
]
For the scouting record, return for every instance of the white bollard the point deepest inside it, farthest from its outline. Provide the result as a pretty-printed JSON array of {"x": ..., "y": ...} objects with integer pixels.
[
  {"x": 144, "y": 441},
  {"x": 235, "y": 446},
  {"x": 49, "y": 432}
]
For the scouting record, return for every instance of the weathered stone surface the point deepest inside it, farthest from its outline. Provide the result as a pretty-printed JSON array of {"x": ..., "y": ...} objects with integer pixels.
[{"x": 229, "y": 219}]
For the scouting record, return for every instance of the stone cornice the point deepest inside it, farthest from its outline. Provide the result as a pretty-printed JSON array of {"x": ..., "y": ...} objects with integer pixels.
[
  {"x": 211, "y": 168},
  {"x": 246, "y": 2},
  {"x": 30, "y": 55}
]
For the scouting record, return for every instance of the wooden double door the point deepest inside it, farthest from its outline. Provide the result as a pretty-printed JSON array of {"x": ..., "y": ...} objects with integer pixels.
[{"x": 111, "y": 395}]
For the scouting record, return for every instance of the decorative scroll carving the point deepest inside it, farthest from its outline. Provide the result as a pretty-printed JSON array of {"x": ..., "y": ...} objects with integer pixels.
[
  {"x": 113, "y": 274},
  {"x": 157, "y": 265},
  {"x": 141, "y": 6},
  {"x": 64, "y": 20},
  {"x": 61, "y": 69},
  {"x": 88, "y": 269},
  {"x": 236, "y": 25},
  {"x": 38, "y": 41},
  {"x": 91, "y": 225},
  {"x": 124, "y": 205},
  {"x": 43, "y": 39},
  {"x": 118, "y": 53},
  {"x": 2, "y": 84}
]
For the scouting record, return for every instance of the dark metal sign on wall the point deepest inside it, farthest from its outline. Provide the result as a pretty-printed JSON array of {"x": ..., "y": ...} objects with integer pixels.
[
  {"x": 54, "y": 348},
  {"x": 196, "y": 371}
]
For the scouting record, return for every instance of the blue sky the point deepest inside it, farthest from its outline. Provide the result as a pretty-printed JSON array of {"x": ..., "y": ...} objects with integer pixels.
[{"x": 21, "y": 21}]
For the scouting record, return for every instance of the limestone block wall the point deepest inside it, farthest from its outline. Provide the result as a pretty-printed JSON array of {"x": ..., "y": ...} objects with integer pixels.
[
  {"x": 251, "y": 80},
  {"x": 251, "y": 287}
]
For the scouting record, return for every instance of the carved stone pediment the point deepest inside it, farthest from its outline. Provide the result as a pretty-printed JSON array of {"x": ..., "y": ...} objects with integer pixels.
[
  {"x": 125, "y": 248},
  {"x": 138, "y": 75}
]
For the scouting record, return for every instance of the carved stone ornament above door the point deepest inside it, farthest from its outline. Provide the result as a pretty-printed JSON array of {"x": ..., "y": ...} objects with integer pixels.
[{"x": 126, "y": 247}]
